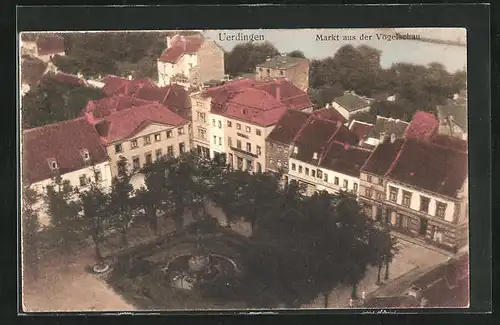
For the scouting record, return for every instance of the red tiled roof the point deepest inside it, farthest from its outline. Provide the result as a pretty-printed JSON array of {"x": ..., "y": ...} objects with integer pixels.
[
  {"x": 430, "y": 167},
  {"x": 106, "y": 106},
  {"x": 126, "y": 122},
  {"x": 423, "y": 126},
  {"x": 62, "y": 142},
  {"x": 229, "y": 88},
  {"x": 344, "y": 158},
  {"x": 174, "y": 96},
  {"x": 330, "y": 114},
  {"x": 50, "y": 44},
  {"x": 382, "y": 157},
  {"x": 254, "y": 106},
  {"x": 112, "y": 84},
  {"x": 288, "y": 94},
  {"x": 179, "y": 46},
  {"x": 450, "y": 142},
  {"x": 66, "y": 78},
  {"x": 361, "y": 129},
  {"x": 288, "y": 126}
]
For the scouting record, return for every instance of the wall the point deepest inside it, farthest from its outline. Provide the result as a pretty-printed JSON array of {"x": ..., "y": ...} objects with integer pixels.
[
  {"x": 166, "y": 70},
  {"x": 216, "y": 133},
  {"x": 277, "y": 152},
  {"x": 200, "y": 105},
  {"x": 210, "y": 62},
  {"x": 298, "y": 74},
  {"x": 74, "y": 179},
  {"x": 142, "y": 149}
]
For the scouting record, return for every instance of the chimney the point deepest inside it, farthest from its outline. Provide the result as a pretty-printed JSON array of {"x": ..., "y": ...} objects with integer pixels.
[
  {"x": 339, "y": 124},
  {"x": 278, "y": 93},
  {"x": 382, "y": 137},
  {"x": 327, "y": 105},
  {"x": 315, "y": 155},
  {"x": 129, "y": 77},
  {"x": 393, "y": 138}
]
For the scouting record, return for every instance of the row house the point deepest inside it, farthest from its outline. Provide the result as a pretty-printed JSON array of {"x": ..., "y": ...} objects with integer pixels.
[
  {"x": 137, "y": 135},
  {"x": 324, "y": 156},
  {"x": 190, "y": 60},
  {"x": 236, "y": 118},
  {"x": 295, "y": 70},
  {"x": 69, "y": 149},
  {"x": 420, "y": 188},
  {"x": 43, "y": 46},
  {"x": 385, "y": 128}
]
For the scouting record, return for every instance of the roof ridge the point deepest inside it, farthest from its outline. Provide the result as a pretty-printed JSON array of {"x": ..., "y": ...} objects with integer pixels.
[
  {"x": 299, "y": 132},
  {"x": 396, "y": 159},
  {"x": 356, "y": 121},
  {"x": 329, "y": 143}
]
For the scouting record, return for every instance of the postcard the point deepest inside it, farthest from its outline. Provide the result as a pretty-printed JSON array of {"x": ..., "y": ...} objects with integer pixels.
[{"x": 261, "y": 169}]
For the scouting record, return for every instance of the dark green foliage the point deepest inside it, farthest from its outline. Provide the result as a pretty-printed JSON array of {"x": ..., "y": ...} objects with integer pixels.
[
  {"x": 243, "y": 58},
  {"x": 296, "y": 54},
  {"x": 30, "y": 232},
  {"x": 54, "y": 102}
]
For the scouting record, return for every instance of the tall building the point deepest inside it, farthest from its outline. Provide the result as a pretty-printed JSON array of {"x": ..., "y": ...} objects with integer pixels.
[{"x": 295, "y": 70}]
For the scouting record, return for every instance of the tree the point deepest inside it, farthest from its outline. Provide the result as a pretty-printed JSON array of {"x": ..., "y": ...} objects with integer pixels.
[
  {"x": 66, "y": 223},
  {"x": 296, "y": 54},
  {"x": 95, "y": 206},
  {"x": 30, "y": 229},
  {"x": 243, "y": 58},
  {"x": 122, "y": 204}
]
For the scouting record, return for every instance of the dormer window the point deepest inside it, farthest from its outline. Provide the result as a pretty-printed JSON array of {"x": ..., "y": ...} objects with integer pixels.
[
  {"x": 85, "y": 155},
  {"x": 52, "y": 164}
]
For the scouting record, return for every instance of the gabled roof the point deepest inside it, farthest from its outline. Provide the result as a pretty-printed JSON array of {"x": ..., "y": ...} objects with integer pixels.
[
  {"x": 430, "y": 167},
  {"x": 388, "y": 126},
  {"x": 109, "y": 105},
  {"x": 62, "y": 142},
  {"x": 288, "y": 126},
  {"x": 180, "y": 45},
  {"x": 382, "y": 157},
  {"x": 173, "y": 96},
  {"x": 361, "y": 129},
  {"x": 450, "y": 142},
  {"x": 330, "y": 113},
  {"x": 50, "y": 44},
  {"x": 287, "y": 93},
  {"x": 352, "y": 102},
  {"x": 112, "y": 84},
  {"x": 127, "y": 122},
  {"x": 32, "y": 70},
  {"x": 344, "y": 158},
  {"x": 422, "y": 126},
  {"x": 282, "y": 62}
]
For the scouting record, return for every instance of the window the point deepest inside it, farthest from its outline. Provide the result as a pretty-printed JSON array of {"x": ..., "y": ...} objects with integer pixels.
[
  {"x": 257, "y": 131},
  {"x": 52, "y": 164},
  {"x": 158, "y": 154},
  {"x": 118, "y": 148},
  {"x": 147, "y": 140},
  {"x": 440, "y": 209},
  {"x": 249, "y": 147},
  {"x": 307, "y": 171},
  {"x": 369, "y": 178},
  {"x": 238, "y": 126},
  {"x": 248, "y": 129},
  {"x": 202, "y": 134},
  {"x": 149, "y": 158},
  {"x": 136, "y": 163},
  {"x": 84, "y": 180},
  {"x": 220, "y": 141},
  {"x": 279, "y": 163},
  {"x": 268, "y": 71},
  {"x": 157, "y": 137},
  {"x": 336, "y": 181},
  {"x": 259, "y": 168},
  {"x": 300, "y": 169},
  {"x": 355, "y": 187},
  {"x": 393, "y": 194},
  {"x": 326, "y": 177},
  {"x": 380, "y": 181},
  {"x": 213, "y": 122},
  {"x": 199, "y": 103},
  {"x": 134, "y": 144},
  {"x": 180, "y": 131},
  {"x": 313, "y": 173},
  {"x": 259, "y": 150},
  {"x": 229, "y": 141},
  {"x": 229, "y": 124},
  {"x": 282, "y": 72},
  {"x": 170, "y": 151},
  {"x": 280, "y": 148},
  {"x": 215, "y": 139},
  {"x": 238, "y": 144},
  {"x": 240, "y": 163},
  {"x": 346, "y": 183},
  {"x": 271, "y": 161},
  {"x": 85, "y": 154},
  {"x": 406, "y": 199},
  {"x": 293, "y": 167},
  {"x": 249, "y": 165},
  {"x": 368, "y": 192},
  {"x": 220, "y": 124},
  {"x": 244, "y": 111},
  {"x": 182, "y": 147},
  {"x": 122, "y": 168},
  {"x": 202, "y": 117},
  {"x": 424, "y": 204},
  {"x": 98, "y": 175},
  {"x": 169, "y": 134},
  {"x": 380, "y": 196}
]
